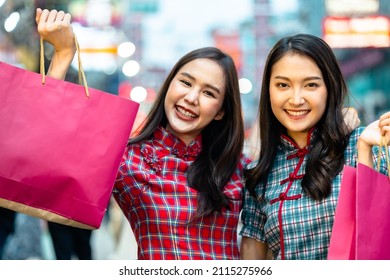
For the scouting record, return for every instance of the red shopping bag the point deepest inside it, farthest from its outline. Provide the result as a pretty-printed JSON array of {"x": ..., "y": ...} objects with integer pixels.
[
  {"x": 59, "y": 149},
  {"x": 372, "y": 216},
  {"x": 342, "y": 241}
]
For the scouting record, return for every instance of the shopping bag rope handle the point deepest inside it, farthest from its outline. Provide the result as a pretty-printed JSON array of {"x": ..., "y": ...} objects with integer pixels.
[
  {"x": 383, "y": 144},
  {"x": 82, "y": 78}
]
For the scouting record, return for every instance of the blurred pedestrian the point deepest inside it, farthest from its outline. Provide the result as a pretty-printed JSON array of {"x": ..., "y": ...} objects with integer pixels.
[
  {"x": 25, "y": 243},
  {"x": 70, "y": 242},
  {"x": 7, "y": 227}
]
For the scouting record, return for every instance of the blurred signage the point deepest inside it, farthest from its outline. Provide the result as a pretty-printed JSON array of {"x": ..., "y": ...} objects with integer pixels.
[
  {"x": 98, "y": 13},
  {"x": 97, "y": 54},
  {"x": 351, "y": 7},
  {"x": 144, "y": 6},
  {"x": 365, "y": 59},
  {"x": 362, "y": 32},
  {"x": 229, "y": 42}
]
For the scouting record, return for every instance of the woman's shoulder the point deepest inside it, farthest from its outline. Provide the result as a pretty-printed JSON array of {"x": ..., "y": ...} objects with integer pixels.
[
  {"x": 357, "y": 131},
  {"x": 350, "y": 153},
  {"x": 354, "y": 136}
]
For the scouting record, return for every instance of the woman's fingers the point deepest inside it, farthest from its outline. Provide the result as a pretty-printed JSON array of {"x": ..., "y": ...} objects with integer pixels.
[
  {"x": 67, "y": 18},
  {"x": 50, "y": 21},
  {"x": 52, "y": 16},
  {"x": 55, "y": 27},
  {"x": 385, "y": 116},
  {"x": 38, "y": 15},
  {"x": 60, "y": 17},
  {"x": 384, "y": 123}
]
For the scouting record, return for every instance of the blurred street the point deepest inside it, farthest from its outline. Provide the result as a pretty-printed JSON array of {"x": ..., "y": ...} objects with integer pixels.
[{"x": 114, "y": 240}]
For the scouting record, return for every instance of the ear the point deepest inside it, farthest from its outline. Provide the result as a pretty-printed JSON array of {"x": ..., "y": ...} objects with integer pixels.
[{"x": 219, "y": 115}]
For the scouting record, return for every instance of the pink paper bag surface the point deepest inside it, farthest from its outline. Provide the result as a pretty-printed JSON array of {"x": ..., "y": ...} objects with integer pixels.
[
  {"x": 342, "y": 241},
  {"x": 59, "y": 150},
  {"x": 373, "y": 208}
]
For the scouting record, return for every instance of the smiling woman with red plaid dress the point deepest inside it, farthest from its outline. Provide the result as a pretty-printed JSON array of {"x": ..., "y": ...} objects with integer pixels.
[{"x": 180, "y": 179}]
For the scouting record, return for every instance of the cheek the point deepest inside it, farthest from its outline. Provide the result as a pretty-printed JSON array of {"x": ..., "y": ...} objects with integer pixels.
[
  {"x": 273, "y": 97},
  {"x": 322, "y": 110},
  {"x": 166, "y": 105},
  {"x": 210, "y": 106},
  {"x": 276, "y": 103},
  {"x": 321, "y": 102},
  {"x": 211, "y": 110},
  {"x": 277, "y": 112},
  {"x": 169, "y": 97}
]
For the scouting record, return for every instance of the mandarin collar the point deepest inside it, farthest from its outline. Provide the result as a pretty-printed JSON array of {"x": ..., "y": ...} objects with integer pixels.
[
  {"x": 289, "y": 145},
  {"x": 177, "y": 146}
]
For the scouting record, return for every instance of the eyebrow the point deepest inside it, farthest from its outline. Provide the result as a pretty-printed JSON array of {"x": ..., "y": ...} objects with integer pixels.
[
  {"x": 193, "y": 78},
  {"x": 305, "y": 79}
]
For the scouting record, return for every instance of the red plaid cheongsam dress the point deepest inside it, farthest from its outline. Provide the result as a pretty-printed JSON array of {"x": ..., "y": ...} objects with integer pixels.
[{"x": 152, "y": 191}]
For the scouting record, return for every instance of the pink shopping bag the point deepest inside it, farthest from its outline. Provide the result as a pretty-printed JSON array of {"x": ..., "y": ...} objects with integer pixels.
[
  {"x": 372, "y": 216},
  {"x": 361, "y": 225},
  {"x": 342, "y": 241},
  {"x": 59, "y": 149}
]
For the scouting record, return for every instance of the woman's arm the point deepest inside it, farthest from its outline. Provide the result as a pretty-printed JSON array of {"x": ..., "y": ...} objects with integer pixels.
[
  {"x": 251, "y": 249},
  {"x": 55, "y": 28},
  {"x": 371, "y": 136},
  {"x": 351, "y": 118}
]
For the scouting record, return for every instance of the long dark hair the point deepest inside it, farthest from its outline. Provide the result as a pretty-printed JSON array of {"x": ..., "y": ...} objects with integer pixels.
[
  {"x": 222, "y": 140},
  {"x": 326, "y": 157}
]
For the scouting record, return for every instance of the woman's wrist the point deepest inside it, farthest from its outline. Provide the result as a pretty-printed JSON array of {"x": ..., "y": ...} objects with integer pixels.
[
  {"x": 60, "y": 63},
  {"x": 365, "y": 153}
]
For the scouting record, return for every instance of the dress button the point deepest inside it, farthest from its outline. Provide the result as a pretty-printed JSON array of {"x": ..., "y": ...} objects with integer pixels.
[{"x": 282, "y": 196}]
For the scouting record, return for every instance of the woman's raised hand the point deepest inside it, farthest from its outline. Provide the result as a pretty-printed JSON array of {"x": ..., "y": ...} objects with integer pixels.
[
  {"x": 372, "y": 136},
  {"x": 373, "y": 132},
  {"x": 55, "y": 28}
]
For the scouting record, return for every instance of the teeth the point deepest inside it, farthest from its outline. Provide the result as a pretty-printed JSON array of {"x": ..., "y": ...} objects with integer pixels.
[
  {"x": 297, "y": 113},
  {"x": 186, "y": 113}
]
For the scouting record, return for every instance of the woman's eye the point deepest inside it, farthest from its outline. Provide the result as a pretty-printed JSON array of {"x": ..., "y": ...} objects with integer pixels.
[
  {"x": 209, "y": 93},
  {"x": 312, "y": 85},
  {"x": 185, "y": 83},
  {"x": 281, "y": 85}
]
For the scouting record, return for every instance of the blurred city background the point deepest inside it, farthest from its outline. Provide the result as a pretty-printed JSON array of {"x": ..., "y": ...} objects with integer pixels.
[{"x": 128, "y": 47}]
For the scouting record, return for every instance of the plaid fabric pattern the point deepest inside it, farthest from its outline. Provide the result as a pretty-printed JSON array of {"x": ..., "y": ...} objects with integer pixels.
[
  {"x": 152, "y": 191},
  {"x": 305, "y": 224}
]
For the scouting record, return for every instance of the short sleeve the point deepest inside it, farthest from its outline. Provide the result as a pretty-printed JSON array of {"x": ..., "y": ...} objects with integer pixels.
[{"x": 253, "y": 219}]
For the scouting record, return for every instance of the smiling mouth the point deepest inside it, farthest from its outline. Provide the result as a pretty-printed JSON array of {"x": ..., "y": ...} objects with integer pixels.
[
  {"x": 297, "y": 113},
  {"x": 186, "y": 113}
]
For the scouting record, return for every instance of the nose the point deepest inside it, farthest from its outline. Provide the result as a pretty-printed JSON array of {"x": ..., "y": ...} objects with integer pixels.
[
  {"x": 296, "y": 98},
  {"x": 192, "y": 97}
]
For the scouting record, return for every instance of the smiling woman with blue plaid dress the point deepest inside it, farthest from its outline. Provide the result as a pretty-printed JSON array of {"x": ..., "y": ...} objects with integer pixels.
[
  {"x": 292, "y": 189},
  {"x": 180, "y": 180}
]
